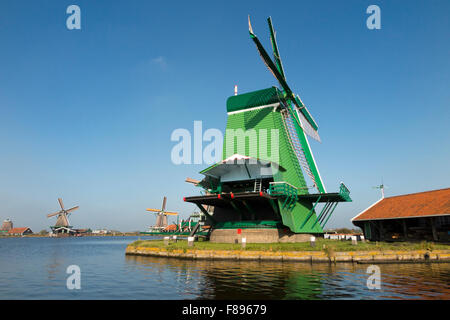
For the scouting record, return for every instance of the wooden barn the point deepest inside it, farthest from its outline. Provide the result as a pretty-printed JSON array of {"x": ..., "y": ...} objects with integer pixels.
[{"x": 416, "y": 216}]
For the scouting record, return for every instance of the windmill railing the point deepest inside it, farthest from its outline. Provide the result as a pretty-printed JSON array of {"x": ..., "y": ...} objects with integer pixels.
[
  {"x": 284, "y": 189},
  {"x": 344, "y": 192}
]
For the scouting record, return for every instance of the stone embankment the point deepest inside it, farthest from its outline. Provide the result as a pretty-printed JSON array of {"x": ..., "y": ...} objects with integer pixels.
[{"x": 385, "y": 256}]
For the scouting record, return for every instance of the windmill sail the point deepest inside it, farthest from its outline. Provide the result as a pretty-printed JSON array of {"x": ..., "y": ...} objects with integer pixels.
[
  {"x": 294, "y": 111},
  {"x": 306, "y": 126},
  {"x": 61, "y": 203},
  {"x": 276, "y": 53},
  {"x": 268, "y": 61},
  {"x": 53, "y": 214},
  {"x": 307, "y": 122},
  {"x": 164, "y": 204}
]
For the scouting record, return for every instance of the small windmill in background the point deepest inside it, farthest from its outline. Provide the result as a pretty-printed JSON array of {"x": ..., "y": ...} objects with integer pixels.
[
  {"x": 161, "y": 219},
  {"x": 62, "y": 225},
  {"x": 381, "y": 187}
]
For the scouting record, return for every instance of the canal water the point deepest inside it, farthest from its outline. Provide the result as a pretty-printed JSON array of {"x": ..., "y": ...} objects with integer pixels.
[{"x": 36, "y": 268}]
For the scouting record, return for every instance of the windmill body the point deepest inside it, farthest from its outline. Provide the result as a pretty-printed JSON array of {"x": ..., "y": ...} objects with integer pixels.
[
  {"x": 268, "y": 178},
  {"x": 62, "y": 225}
]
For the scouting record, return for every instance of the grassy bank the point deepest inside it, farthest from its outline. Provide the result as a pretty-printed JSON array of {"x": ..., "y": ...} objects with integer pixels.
[
  {"x": 37, "y": 235},
  {"x": 321, "y": 245}
]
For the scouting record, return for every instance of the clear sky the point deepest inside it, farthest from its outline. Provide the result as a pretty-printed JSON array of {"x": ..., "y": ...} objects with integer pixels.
[{"x": 87, "y": 114}]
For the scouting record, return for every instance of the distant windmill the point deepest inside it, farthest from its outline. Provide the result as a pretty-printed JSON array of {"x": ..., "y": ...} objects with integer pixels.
[
  {"x": 381, "y": 187},
  {"x": 62, "y": 224},
  {"x": 161, "y": 219}
]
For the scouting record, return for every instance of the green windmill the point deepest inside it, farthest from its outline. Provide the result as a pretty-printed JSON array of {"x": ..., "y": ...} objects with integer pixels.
[{"x": 268, "y": 169}]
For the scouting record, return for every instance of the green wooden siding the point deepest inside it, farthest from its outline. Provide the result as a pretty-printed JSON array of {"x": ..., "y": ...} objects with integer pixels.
[{"x": 268, "y": 119}]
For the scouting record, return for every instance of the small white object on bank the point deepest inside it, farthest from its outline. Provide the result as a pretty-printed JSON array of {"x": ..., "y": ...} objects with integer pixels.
[
  {"x": 313, "y": 241},
  {"x": 191, "y": 241}
]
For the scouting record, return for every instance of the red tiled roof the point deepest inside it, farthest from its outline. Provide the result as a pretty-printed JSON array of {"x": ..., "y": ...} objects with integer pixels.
[
  {"x": 423, "y": 204},
  {"x": 171, "y": 227},
  {"x": 18, "y": 230}
]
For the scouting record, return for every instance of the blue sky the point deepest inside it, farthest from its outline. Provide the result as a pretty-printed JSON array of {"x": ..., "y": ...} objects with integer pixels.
[{"x": 87, "y": 114}]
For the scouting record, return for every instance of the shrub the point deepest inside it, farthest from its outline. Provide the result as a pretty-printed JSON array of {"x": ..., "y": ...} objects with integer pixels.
[{"x": 330, "y": 251}]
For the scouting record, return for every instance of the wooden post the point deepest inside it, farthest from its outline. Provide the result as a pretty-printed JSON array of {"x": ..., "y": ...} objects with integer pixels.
[
  {"x": 405, "y": 229},
  {"x": 433, "y": 229},
  {"x": 312, "y": 241},
  {"x": 380, "y": 223}
]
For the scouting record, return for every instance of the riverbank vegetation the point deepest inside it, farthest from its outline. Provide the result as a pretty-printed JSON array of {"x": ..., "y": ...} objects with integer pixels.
[{"x": 321, "y": 245}]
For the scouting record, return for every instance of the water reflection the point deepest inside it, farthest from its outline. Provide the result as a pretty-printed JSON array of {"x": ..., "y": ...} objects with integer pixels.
[
  {"x": 35, "y": 268},
  {"x": 203, "y": 279}
]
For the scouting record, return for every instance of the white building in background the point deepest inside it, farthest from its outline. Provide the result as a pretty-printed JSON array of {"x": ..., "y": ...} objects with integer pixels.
[{"x": 100, "y": 231}]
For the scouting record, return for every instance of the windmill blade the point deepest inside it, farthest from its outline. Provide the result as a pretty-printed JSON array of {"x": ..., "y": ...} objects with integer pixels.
[
  {"x": 164, "y": 204},
  {"x": 193, "y": 181},
  {"x": 170, "y": 213},
  {"x": 72, "y": 209},
  {"x": 309, "y": 124},
  {"x": 153, "y": 210},
  {"x": 54, "y": 214},
  {"x": 268, "y": 62},
  {"x": 276, "y": 53},
  {"x": 61, "y": 203}
]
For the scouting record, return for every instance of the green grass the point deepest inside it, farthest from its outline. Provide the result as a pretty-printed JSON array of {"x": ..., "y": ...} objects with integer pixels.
[{"x": 321, "y": 245}]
